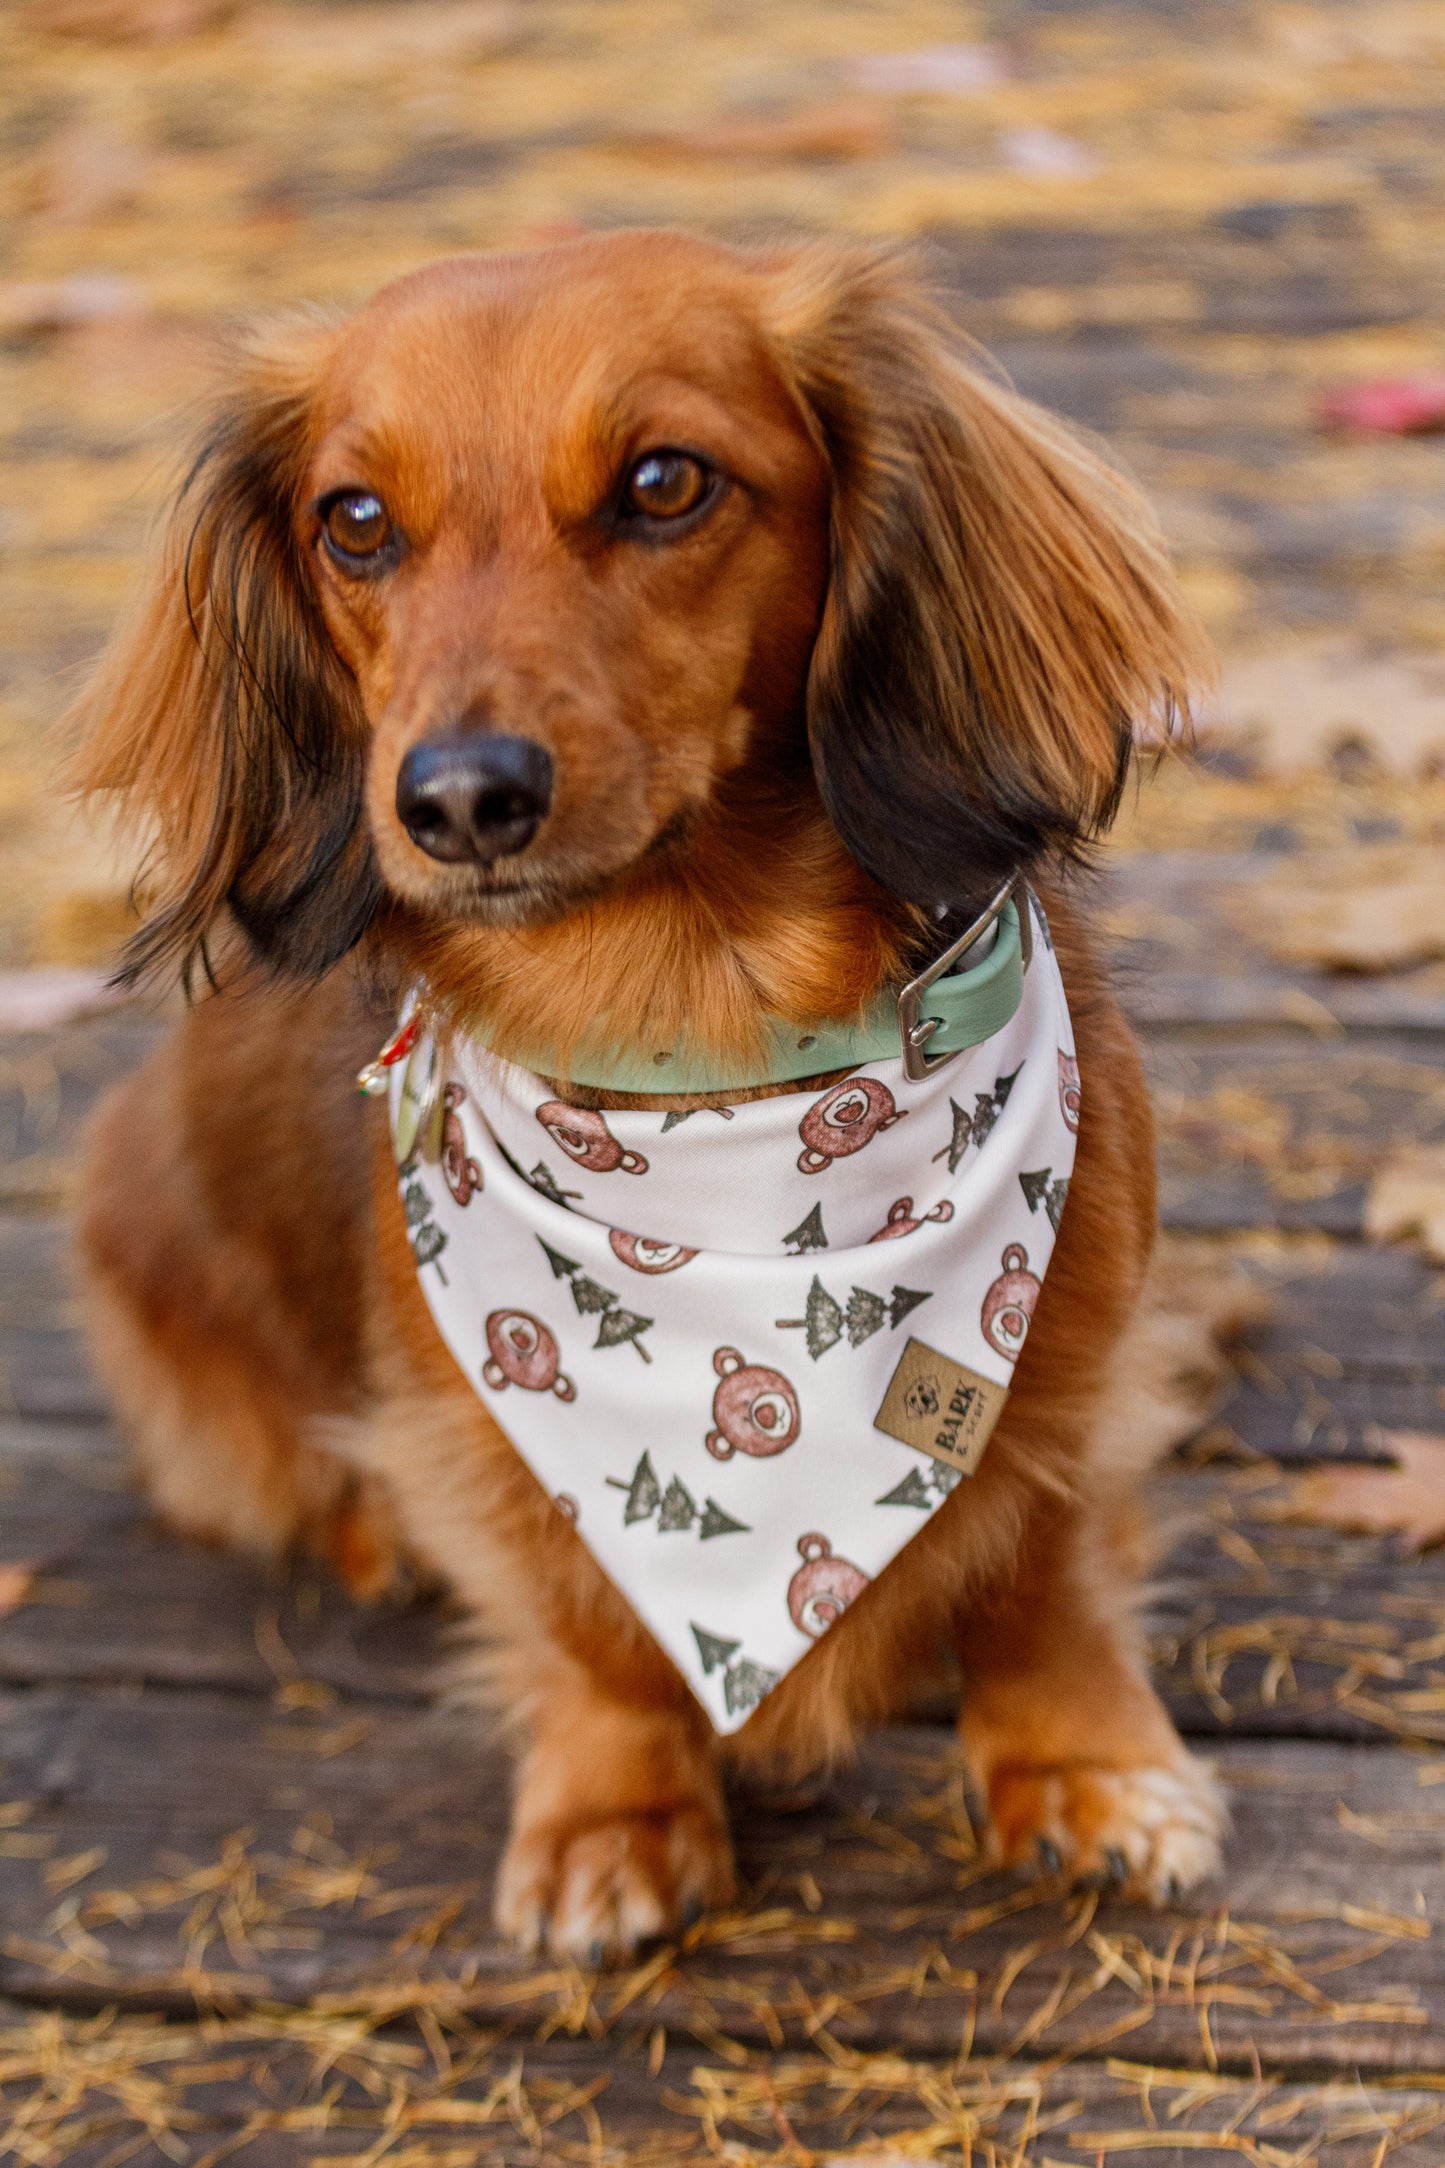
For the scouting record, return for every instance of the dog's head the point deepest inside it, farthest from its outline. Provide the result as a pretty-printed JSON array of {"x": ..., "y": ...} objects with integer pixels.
[{"x": 489, "y": 599}]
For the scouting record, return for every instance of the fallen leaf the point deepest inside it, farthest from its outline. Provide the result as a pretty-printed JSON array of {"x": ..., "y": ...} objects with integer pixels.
[
  {"x": 1296, "y": 704},
  {"x": 1402, "y": 32},
  {"x": 86, "y": 297},
  {"x": 937, "y": 70},
  {"x": 1046, "y": 155},
  {"x": 1313, "y": 1015},
  {"x": 39, "y": 1000},
  {"x": 16, "y": 1582},
  {"x": 1385, "y": 406},
  {"x": 1370, "y": 929},
  {"x": 1406, "y": 1198},
  {"x": 127, "y": 22},
  {"x": 344, "y": 39},
  {"x": 1365, "y": 910},
  {"x": 845, "y": 129},
  {"x": 90, "y": 171},
  {"x": 1407, "y": 1500}
]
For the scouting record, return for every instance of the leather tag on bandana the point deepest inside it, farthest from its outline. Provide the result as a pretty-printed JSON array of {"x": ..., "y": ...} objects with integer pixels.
[{"x": 941, "y": 1407}]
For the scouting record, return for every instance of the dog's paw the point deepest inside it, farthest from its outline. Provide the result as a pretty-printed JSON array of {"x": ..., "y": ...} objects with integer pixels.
[
  {"x": 595, "y": 1891},
  {"x": 1150, "y": 1833}
]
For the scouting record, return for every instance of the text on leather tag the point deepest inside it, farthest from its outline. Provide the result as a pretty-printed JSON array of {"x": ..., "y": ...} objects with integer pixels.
[{"x": 941, "y": 1407}]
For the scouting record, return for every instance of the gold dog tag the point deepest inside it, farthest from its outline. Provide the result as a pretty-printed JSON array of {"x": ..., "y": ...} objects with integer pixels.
[{"x": 941, "y": 1407}]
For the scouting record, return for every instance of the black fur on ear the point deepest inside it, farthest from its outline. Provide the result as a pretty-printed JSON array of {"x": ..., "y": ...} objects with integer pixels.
[
  {"x": 1002, "y": 615},
  {"x": 220, "y": 716}
]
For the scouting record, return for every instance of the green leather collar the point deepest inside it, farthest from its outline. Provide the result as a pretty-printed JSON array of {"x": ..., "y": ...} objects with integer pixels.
[{"x": 964, "y": 1008}]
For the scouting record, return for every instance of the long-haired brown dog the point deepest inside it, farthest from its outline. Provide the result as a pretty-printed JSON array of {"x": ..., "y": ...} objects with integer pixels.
[{"x": 747, "y": 622}]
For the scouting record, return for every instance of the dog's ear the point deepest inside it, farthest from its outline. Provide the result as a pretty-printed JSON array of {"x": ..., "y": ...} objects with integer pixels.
[
  {"x": 220, "y": 721},
  {"x": 1001, "y": 615}
]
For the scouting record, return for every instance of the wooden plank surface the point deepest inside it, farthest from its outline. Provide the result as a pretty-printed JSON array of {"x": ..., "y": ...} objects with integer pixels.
[
  {"x": 1262, "y": 1628},
  {"x": 1191, "y": 938},
  {"x": 143, "y": 1687},
  {"x": 118, "y": 1600},
  {"x": 517, "y": 2103},
  {"x": 357, "y": 1857},
  {"x": 1357, "y": 1337},
  {"x": 226, "y": 1788},
  {"x": 149, "y": 1750}
]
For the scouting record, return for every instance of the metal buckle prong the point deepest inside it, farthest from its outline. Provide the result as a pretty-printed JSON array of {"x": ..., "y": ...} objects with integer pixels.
[{"x": 914, "y": 1028}]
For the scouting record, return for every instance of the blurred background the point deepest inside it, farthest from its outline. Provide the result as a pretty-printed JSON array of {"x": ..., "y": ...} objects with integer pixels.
[{"x": 1212, "y": 231}]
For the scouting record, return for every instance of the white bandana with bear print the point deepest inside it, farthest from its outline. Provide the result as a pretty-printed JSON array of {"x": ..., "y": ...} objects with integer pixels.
[{"x": 748, "y": 1352}]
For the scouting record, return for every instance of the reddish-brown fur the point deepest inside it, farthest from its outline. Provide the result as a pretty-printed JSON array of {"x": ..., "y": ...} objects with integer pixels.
[{"x": 900, "y": 656}]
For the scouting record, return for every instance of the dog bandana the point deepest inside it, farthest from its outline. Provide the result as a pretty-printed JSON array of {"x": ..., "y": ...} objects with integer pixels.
[{"x": 750, "y": 1350}]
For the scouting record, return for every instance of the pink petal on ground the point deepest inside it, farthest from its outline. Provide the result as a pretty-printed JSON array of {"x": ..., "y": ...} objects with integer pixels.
[
  {"x": 39, "y": 1000},
  {"x": 1391, "y": 406},
  {"x": 946, "y": 70}
]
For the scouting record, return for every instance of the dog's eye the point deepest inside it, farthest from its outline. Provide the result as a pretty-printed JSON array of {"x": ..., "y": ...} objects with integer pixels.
[
  {"x": 664, "y": 485},
  {"x": 357, "y": 524}
]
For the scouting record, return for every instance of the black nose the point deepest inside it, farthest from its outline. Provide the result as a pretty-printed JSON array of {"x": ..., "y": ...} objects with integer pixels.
[{"x": 476, "y": 798}]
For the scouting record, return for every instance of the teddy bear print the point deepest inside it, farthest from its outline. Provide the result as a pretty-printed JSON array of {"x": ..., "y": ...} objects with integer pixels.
[
  {"x": 900, "y": 1220},
  {"x": 1070, "y": 1099},
  {"x": 844, "y": 1120},
  {"x": 524, "y": 1352},
  {"x": 1009, "y": 1304},
  {"x": 584, "y": 1136},
  {"x": 823, "y": 1586},
  {"x": 463, "y": 1176},
  {"x": 755, "y": 1410},
  {"x": 645, "y": 1255}
]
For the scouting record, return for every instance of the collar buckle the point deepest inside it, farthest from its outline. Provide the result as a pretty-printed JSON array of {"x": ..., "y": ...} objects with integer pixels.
[{"x": 914, "y": 1028}]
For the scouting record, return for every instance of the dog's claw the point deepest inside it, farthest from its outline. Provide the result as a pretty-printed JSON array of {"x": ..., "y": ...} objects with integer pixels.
[{"x": 1137, "y": 1830}]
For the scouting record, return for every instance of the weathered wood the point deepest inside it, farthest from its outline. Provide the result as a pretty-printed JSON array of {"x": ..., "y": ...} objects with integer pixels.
[
  {"x": 44, "y": 1370},
  {"x": 1376, "y": 1311},
  {"x": 1359, "y": 1343},
  {"x": 1293, "y": 1414},
  {"x": 49, "y": 1080},
  {"x": 1263, "y": 1627},
  {"x": 1286, "y": 1132},
  {"x": 46, "y": 1377},
  {"x": 119, "y": 1600},
  {"x": 1308, "y": 1003},
  {"x": 864, "y": 1914},
  {"x": 1356, "y": 1340},
  {"x": 1354, "y": 1343},
  {"x": 1292, "y": 1614},
  {"x": 1231, "y": 1202},
  {"x": 1189, "y": 949},
  {"x": 521, "y": 2103},
  {"x": 517, "y": 2103},
  {"x": 1279, "y": 1644}
]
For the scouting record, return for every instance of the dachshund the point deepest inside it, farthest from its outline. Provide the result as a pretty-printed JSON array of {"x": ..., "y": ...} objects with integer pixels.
[{"x": 661, "y": 637}]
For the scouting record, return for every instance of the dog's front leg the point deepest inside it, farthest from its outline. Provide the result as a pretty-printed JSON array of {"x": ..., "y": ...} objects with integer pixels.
[
  {"x": 1076, "y": 1757},
  {"x": 618, "y": 1830}
]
